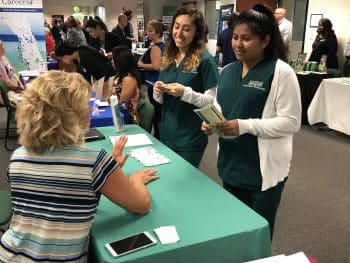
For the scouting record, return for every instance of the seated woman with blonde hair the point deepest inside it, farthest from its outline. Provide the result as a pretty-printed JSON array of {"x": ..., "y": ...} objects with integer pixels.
[{"x": 56, "y": 182}]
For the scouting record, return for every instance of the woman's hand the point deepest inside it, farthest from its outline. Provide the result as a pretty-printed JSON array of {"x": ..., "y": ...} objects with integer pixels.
[
  {"x": 206, "y": 129},
  {"x": 175, "y": 89},
  {"x": 118, "y": 151},
  {"x": 158, "y": 89},
  {"x": 228, "y": 128},
  {"x": 145, "y": 176},
  {"x": 140, "y": 64}
]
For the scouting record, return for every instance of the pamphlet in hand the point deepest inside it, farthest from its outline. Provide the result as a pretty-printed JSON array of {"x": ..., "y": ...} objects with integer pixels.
[{"x": 210, "y": 114}]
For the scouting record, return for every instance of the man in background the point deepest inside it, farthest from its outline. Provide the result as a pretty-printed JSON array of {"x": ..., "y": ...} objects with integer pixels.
[
  {"x": 285, "y": 26},
  {"x": 129, "y": 30},
  {"x": 224, "y": 43}
]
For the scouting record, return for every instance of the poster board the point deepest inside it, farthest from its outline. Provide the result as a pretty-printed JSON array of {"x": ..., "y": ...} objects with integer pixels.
[{"x": 22, "y": 31}]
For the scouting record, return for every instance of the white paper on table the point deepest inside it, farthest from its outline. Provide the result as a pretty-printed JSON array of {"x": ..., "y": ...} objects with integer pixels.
[
  {"x": 167, "y": 234},
  {"x": 297, "y": 258},
  {"x": 148, "y": 156},
  {"x": 133, "y": 140},
  {"x": 275, "y": 259},
  {"x": 102, "y": 103}
]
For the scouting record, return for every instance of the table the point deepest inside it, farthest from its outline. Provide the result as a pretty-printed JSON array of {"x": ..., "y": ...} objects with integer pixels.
[
  {"x": 308, "y": 82},
  {"x": 331, "y": 104},
  {"x": 213, "y": 226}
]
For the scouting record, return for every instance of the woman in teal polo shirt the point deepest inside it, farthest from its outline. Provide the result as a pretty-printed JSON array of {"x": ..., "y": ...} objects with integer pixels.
[
  {"x": 187, "y": 81},
  {"x": 259, "y": 97}
]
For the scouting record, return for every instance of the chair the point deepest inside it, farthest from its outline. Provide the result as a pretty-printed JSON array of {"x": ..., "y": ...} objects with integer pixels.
[
  {"x": 10, "y": 114},
  {"x": 335, "y": 73},
  {"x": 6, "y": 206},
  {"x": 146, "y": 113}
]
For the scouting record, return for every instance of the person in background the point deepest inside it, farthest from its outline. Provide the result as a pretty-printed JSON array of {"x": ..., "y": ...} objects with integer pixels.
[
  {"x": 9, "y": 78},
  {"x": 55, "y": 31},
  {"x": 150, "y": 62},
  {"x": 206, "y": 33},
  {"x": 187, "y": 81},
  {"x": 75, "y": 35},
  {"x": 56, "y": 181},
  {"x": 49, "y": 42},
  {"x": 224, "y": 43},
  {"x": 119, "y": 29},
  {"x": 284, "y": 25},
  {"x": 126, "y": 84},
  {"x": 259, "y": 96},
  {"x": 128, "y": 29},
  {"x": 346, "y": 68},
  {"x": 325, "y": 43},
  {"x": 89, "y": 63},
  {"x": 101, "y": 39}
]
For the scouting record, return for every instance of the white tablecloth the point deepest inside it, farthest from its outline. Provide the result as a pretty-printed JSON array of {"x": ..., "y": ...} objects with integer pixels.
[{"x": 331, "y": 104}]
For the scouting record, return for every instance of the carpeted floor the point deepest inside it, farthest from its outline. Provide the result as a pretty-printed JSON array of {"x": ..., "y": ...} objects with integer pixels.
[{"x": 314, "y": 214}]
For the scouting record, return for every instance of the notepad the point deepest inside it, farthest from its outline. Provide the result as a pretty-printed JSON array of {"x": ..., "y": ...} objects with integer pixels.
[{"x": 133, "y": 140}]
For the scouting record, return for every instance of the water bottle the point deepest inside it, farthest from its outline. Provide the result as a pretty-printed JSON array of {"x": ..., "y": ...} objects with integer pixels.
[{"x": 117, "y": 121}]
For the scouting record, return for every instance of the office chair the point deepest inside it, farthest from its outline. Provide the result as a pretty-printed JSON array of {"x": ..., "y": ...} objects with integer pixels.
[
  {"x": 10, "y": 115},
  {"x": 146, "y": 113}
]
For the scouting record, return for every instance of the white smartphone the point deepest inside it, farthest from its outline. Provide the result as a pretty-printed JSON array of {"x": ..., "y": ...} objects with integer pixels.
[{"x": 131, "y": 244}]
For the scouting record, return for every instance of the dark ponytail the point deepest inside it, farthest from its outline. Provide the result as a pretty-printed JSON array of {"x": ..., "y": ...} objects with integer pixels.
[{"x": 262, "y": 22}]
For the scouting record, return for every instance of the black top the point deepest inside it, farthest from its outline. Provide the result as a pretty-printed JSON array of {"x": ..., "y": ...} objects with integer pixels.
[
  {"x": 121, "y": 33},
  {"x": 327, "y": 45},
  {"x": 93, "y": 64},
  {"x": 224, "y": 42},
  {"x": 111, "y": 41}
]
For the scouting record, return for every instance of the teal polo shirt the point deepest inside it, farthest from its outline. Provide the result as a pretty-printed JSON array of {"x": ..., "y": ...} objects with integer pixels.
[
  {"x": 180, "y": 127},
  {"x": 238, "y": 160}
]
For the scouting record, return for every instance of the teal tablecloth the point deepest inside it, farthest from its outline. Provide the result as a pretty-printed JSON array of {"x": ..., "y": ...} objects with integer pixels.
[{"x": 213, "y": 226}]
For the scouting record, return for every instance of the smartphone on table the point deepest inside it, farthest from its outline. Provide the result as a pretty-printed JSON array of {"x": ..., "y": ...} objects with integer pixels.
[{"x": 131, "y": 244}]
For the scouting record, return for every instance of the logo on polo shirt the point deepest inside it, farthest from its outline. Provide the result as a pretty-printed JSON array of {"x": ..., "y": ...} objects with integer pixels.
[{"x": 255, "y": 84}]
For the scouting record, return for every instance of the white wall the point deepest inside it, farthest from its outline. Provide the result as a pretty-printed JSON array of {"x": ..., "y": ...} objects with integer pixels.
[{"x": 338, "y": 11}]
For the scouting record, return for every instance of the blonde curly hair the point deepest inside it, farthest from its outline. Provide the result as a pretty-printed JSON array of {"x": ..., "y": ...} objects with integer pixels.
[{"x": 54, "y": 111}]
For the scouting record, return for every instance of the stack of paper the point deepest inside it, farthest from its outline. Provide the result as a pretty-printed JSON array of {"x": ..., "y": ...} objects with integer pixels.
[
  {"x": 167, "y": 234},
  {"x": 148, "y": 156},
  {"x": 133, "y": 140}
]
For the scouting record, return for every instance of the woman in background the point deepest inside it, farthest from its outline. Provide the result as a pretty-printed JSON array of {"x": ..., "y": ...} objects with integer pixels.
[
  {"x": 56, "y": 182},
  {"x": 9, "y": 78},
  {"x": 75, "y": 35},
  {"x": 187, "y": 81},
  {"x": 101, "y": 39},
  {"x": 259, "y": 96},
  {"x": 150, "y": 62},
  {"x": 326, "y": 43},
  {"x": 126, "y": 84},
  {"x": 89, "y": 63}
]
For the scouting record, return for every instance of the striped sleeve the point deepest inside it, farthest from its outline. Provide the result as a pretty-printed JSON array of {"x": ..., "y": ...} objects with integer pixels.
[{"x": 104, "y": 166}]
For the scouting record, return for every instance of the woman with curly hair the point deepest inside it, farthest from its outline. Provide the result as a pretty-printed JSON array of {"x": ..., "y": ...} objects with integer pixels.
[
  {"x": 187, "y": 80},
  {"x": 56, "y": 182}
]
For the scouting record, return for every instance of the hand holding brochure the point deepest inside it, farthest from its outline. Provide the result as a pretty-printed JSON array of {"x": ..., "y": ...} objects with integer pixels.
[{"x": 210, "y": 114}]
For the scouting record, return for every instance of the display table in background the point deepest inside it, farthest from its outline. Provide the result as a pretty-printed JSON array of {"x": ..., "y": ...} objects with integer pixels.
[
  {"x": 308, "y": 82},
  {"x": 213, "y": 226},
  {"x": 331, "y": 104}
]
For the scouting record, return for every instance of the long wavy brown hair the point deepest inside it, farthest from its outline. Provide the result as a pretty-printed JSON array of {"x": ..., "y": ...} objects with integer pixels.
[{"x": 192, "y": 57}]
